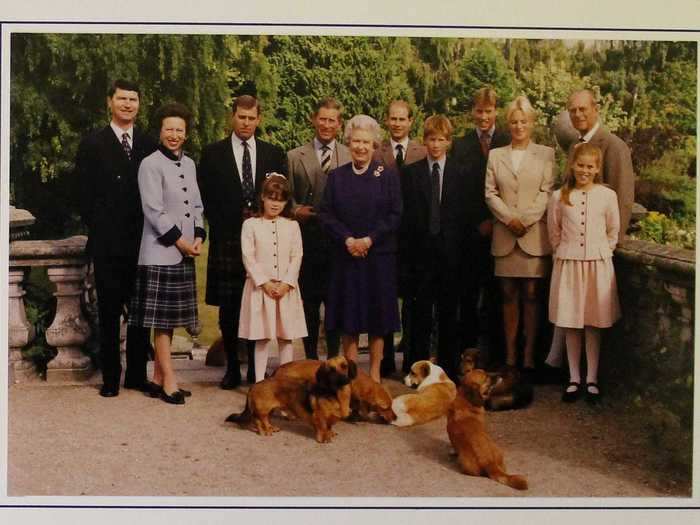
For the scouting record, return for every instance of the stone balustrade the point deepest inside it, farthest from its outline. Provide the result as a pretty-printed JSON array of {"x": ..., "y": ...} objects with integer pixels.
[{"x": 66, "y": 266}]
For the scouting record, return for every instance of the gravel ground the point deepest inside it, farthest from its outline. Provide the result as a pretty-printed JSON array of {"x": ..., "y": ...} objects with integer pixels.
[{"x": 67, "y": 440}]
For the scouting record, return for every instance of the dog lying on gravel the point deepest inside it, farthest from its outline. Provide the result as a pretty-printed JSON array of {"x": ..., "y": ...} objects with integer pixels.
[
  {"x": 477, "y": 454},
  {"x": 369, "y": 397},
  {"x": 509, "y": 391},
  {"x": 435, "y": 394},
  {"x": 320, "y": 400}
]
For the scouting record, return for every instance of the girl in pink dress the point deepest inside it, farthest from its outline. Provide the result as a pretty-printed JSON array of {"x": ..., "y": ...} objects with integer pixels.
[
  {"x": 271, "y": 306},
  {"x": 583, "y": 222}
]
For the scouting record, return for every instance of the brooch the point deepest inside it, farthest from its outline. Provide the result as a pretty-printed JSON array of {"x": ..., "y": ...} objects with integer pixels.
[{"x": 378, "y": 171}]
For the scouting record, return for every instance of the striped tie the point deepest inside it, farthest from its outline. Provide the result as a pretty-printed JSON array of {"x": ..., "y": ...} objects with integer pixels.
[
  {"x": 125, "y": 145},
  {"x": 325, "y": 158}
]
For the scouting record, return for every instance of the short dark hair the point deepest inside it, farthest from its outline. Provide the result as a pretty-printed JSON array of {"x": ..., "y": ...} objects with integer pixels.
[
  {"x": 276, "y": 187},
  {"x": 174, "y": 109},
  {"x": 246, "y": 102},
  {"x": 126, "y": 85}
]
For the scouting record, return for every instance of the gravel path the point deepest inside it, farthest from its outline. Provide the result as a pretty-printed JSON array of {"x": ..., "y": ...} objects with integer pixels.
[{"x": 67, "y": 440}]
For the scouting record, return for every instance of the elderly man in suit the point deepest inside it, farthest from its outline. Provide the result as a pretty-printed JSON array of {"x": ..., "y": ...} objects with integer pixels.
[
  {"x": 308, "y": 170},
  {"x": 435, "y": 226},
  {"x": 110, "y": 206},
  {"x": 398, "y": 151},
  {"x": 480, "y": 285},
  {"x": 617, "y": 161},
  {"x": 230, "y": 175}
]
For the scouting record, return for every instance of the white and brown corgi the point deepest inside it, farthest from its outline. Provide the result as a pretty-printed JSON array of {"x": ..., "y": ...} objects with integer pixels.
[{"x": 435, "y": 394}]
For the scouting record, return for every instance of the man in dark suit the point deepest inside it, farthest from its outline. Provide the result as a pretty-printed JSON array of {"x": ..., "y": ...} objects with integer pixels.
[
  {"x": 110, "y": 206},
  {"x": 397, "y": 152},
  {"x": 435, "y": 227},
  {"x": 308, "y": 170},
  {"x": 231, "y": 173},
  {"x": 471, "y": 151},
  {"x": 617, "y": 160}
]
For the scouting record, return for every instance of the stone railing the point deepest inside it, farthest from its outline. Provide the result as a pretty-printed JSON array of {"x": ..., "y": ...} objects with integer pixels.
[
  {"x": 648, "y": 357},
  {"x": 66, "y": 266}
]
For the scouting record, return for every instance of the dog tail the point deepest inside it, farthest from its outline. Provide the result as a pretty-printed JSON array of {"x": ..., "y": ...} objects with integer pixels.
[
  {"x": 244, "y": 417},
  {"x": 514, "y": 481}
]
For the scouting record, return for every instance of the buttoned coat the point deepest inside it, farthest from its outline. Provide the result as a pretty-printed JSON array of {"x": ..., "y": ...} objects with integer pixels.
[
  {"x": 588, "y": 229},
  {"x": 414, "y": 152},
  {"x": 617, "y": 172},
  {"x": 172, "y": 207},
  {"x": 272, "y": 251},
  {"x": 222, "y": 195},
  {"x": 521, "y": 194}
]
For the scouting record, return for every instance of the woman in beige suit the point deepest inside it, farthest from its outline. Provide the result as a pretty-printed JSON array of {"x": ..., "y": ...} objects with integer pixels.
[{"x": 519, "y": 180}]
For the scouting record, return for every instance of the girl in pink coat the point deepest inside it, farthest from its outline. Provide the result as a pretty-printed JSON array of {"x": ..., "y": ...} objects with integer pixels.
[
  {"x": 583, "y": 222},
  {"x": 271, "y": 306}
]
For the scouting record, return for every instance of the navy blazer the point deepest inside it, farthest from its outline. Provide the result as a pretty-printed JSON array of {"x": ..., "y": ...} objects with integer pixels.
[
  {"x": 456, "y": 218},
  {"x": 108, "y": 192}
]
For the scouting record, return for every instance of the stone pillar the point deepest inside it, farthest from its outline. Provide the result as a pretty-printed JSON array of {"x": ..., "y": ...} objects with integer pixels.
[
  {"x": 20, "y": 331},
  {"x": 69, "y": 330}
]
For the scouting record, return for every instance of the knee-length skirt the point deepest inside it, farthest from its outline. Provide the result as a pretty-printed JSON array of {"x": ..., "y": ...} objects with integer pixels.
[
  {"x": 263, "y": 317},
  {"x": 518, "y": 263},
  {"x": 583, "y": 293},
  {"x": 165, "y": 297}
]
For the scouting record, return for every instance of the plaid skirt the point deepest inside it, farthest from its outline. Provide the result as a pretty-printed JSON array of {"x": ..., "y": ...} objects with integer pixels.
[{"x": 165, "y": 296}]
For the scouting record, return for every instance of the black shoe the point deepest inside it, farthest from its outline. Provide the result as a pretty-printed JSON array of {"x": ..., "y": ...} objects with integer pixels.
[
  {"x": 231, "y": 380},
  {"x": 142, "y": 386},
  {"x": 250, "y": 377},
  {"x": 528, "y": 374},
  {"x": 155, "y": 390},
  {"x": 570, "y": 397},
  {"x": 177, "y": 397},
  {"x": 109, "y": 390},
  {"x": 592, "y": 398},
  {"x": 185, "y": 393},
  {"x": 387, "y": 368}
]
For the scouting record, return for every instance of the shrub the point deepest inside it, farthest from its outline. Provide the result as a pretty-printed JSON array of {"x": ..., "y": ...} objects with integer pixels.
[{"x": 659, "y": 228}]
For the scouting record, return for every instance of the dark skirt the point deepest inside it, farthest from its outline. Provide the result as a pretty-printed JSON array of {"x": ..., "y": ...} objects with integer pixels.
[
  {"x": 362, "y": 295},
  {"x": 165, "y": 297}
]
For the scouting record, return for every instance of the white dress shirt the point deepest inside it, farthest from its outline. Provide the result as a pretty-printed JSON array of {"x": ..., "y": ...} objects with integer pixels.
[
  {"x": 238, "y": 149},
  {"x": 119, "y": 132}
]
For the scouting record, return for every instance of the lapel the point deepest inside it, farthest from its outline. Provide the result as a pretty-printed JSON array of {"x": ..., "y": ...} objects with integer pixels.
[
  {"x": 415, "y": 152},
  {"x": 425, "y": 184},
  {"x": 387, "y": 156},
  {"x": 506, "y": 159},
  {"x": 115, "y": 150},
  {"x": 448, "y": 181},
  {"x": 228, "y": 164},
  {"x": 310, "y": 162},
  {"x": 260, "y": 148}
]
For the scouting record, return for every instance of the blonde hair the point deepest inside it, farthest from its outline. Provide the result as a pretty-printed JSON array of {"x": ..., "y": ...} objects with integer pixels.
[
  {"x": 437, "y": 124},
  {"x": 521, "y": 103},
  {"x": 570, "y": 181}
]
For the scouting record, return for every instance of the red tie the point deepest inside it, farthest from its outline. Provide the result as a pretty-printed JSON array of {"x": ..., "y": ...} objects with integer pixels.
[{"x": 485, "y": 141}]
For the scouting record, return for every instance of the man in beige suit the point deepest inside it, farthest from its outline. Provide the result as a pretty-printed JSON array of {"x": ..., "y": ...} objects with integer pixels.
[
  {"x": 617, "y": 161},
  {"x": 398, "y": 151},
  {"x": 308, "y": 167}
]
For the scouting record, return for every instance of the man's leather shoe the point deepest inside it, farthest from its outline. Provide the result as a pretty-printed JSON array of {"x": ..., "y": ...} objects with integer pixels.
[
  {"x": 142, "y": 386},
  {"x": 109, "y": 391},
  {"x": 231, "y": 380}
]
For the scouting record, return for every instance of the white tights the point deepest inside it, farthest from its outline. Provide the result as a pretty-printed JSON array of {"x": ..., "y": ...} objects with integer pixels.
[
  {"x": 573, "y": 352},
  {"x": 262, "y": 351}
]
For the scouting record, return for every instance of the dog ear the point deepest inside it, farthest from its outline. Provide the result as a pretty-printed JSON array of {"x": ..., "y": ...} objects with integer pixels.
[
  {"x": 472, "y": 393},
  {"x": 322, "y": 376},
  {"x": 433, "y": 360},
  {"x": 352, "y": 369},
  {"x": 425, "y": 369}
]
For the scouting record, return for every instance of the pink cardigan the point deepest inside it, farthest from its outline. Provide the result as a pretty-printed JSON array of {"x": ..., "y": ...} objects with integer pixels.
[{"x": 588, "y": 230}]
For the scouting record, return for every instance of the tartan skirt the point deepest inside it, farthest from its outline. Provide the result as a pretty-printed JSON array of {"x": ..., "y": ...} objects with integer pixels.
[{"x": 165, "y": 297}]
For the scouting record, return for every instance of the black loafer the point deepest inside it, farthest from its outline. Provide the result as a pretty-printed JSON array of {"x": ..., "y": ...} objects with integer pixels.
[
  {"x": 176, "y": 398},
  {"x": 185, "y": 393},
  {"x": 231, "y": 380},
  {"x": 109, "y": 390},
  {"x": 592, "y": 398},
  {"x": 570, "y": 397}
]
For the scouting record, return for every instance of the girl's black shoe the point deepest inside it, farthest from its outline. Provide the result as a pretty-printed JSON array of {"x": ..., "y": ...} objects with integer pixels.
[
  {"x": 177, "y": 397},
  {"x": 571, "y": 396},
  {"x": 592, "y": 398}
]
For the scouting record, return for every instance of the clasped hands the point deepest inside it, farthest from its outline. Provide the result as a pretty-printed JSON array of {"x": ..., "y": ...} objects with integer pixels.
[
  {"x": 275, "y": 289},
  {"x": 187, "y": 249},
  {"x": 358, "y": 247},
  {"x": 516, "y": 228}
]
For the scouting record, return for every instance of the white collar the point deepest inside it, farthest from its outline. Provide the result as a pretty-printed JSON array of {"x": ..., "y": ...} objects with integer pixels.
[
  {"x": 403, "y": 143},
  {"x": 588, "y": 136},
  {"x": 119, "y": 131},
  {"x": 318, "y": 145}
]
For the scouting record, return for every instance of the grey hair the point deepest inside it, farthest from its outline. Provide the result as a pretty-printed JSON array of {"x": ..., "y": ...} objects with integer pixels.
[
  {"x": 364, "y": 122},
  {"x": 521, "y": 103}
]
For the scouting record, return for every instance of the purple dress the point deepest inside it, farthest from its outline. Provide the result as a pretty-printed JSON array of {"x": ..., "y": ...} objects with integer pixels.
[{"x": 362, "y": 295}]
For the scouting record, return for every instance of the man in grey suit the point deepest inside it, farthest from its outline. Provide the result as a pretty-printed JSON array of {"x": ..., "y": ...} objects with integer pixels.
[
  {"x": 308, "y": 167},
  {"x": 397, "y": 152},
  {"x": 617, "y": 161}
]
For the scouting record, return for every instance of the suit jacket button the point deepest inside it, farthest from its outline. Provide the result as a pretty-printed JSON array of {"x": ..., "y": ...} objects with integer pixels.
[
  {"x": 182, "y": 176},
  {"x": 184, "y": 189},
  {"x": 581, "y": 244},
  {"x": 187, "y": 215},
  {"x": 187, "y": 202}
]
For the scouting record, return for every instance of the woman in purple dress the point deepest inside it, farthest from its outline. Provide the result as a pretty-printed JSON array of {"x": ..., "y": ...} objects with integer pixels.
[{"x": 361, "y": 210}]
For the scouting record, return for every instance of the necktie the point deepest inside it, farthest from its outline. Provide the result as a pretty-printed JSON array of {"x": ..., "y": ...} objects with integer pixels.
[
  {"x": 435, "y": 200},
  {"x": 248, "y": 186},
  {"x": 325, "y": 158},
  {"x": 581, "y": 140},
  {"x": 399, "y": 155},
  {"x": 125, "y": 145},
  {"x": 485, "y": 141}
]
